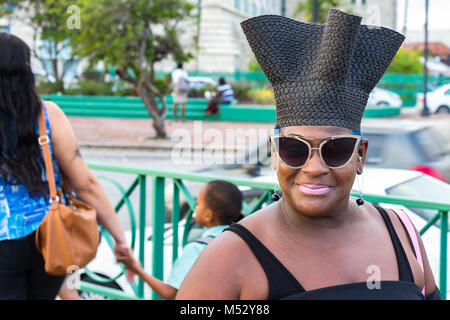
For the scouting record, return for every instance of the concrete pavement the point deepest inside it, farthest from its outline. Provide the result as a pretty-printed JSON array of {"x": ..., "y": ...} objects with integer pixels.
[{"x": 139, "y": 134}]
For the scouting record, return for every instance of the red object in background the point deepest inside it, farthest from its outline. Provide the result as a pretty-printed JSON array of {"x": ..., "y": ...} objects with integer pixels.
[{"x": 429, "y": 171}]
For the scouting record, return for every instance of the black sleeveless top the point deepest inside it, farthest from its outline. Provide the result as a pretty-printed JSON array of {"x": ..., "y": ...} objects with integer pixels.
[{"x": 283, "y": 285}]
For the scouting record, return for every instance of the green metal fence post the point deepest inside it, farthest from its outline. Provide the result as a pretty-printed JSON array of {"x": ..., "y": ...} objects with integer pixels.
[
  {"x": 443, "y": 258},
  {"x": 142, "y": 210},
  {"x": 175, "y": 220},
  {"x": 158, "y": 230}
]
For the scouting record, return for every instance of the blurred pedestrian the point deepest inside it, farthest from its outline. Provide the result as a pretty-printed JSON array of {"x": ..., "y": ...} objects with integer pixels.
[
  {"x": 180, "y": 81},
  {"x": 224, "y": 96},
  {"x": 24, "y": 197},
  {"x": 218, "y": 205}
]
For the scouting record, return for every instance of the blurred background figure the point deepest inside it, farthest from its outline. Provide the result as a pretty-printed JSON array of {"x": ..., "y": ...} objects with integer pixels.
[
  {"x": 224, "y": 95},
  {"x": 180, "y": 80}
]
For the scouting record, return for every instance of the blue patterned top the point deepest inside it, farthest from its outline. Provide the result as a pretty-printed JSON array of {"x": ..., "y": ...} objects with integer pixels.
[{"x": 20, "y": 212}]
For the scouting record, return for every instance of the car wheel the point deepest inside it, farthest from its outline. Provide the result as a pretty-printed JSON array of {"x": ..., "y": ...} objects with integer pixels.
[
  {"x": 94, "y": 296},
  {"x": 382, "y": 104},
  {"x": 443, "y": 110}
]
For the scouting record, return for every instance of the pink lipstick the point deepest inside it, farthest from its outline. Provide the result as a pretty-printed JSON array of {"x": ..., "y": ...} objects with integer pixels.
[{"x": 314, "y": 189}]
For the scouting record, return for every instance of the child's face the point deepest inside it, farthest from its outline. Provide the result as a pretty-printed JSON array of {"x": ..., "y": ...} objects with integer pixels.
[{"x": 201, "y": 210}]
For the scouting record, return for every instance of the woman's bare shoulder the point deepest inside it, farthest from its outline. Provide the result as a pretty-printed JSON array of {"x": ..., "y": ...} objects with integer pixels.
[
  {"x": 225, "y": 263},
  {"x": 53, "y": 109}
]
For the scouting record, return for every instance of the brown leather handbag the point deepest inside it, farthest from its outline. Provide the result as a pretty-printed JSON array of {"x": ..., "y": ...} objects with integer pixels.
[{"x": 68, "y": 236}]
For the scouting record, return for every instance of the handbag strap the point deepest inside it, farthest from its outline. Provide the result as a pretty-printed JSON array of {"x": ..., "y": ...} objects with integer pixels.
[
  {"x": 44, "y": 141},
  {"x": 414, "y": 239}
]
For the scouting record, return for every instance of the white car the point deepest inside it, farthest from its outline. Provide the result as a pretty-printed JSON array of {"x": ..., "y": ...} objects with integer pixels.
[
  {"x": 438, "y": 100},
  {"x": 384, "y": 98},
  {"x": 198, "y": 83},
  {"x": 377, "y": 181}
]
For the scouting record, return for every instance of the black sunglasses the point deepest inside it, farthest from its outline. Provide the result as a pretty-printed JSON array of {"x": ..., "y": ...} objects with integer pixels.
[{"x": 295, "y": 151}]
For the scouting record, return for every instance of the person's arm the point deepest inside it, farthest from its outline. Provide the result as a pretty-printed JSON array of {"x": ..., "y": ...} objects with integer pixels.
[
  {"x": 216, "y": 274},
  {"x": 83, "y": 182},
  {"x": 164, "y": 290},
  {"x": 430, "y": 284}
]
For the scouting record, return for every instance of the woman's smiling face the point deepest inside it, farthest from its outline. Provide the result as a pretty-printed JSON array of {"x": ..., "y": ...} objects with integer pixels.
[{"x": 315, "y": 189}]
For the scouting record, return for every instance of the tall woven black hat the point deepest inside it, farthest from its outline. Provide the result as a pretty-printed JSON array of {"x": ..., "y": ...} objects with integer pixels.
[{"x": 321, "y": 74}]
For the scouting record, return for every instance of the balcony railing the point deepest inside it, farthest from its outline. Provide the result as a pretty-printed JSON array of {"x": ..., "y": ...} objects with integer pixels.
[{"x": 179, "y": 179}]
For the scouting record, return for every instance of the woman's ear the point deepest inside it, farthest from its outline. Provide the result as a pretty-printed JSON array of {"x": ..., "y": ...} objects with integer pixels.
[{"x": 362, "y": 152}]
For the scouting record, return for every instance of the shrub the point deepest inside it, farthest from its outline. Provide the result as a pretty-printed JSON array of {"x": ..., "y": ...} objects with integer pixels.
[
  {"x": 263, "y": 96},
  {"x": 123, "y": 88},
  {"x": 90, "y": 88},
  {"x": 46, "y": 87},
  {"x": 242, "y": 91}
]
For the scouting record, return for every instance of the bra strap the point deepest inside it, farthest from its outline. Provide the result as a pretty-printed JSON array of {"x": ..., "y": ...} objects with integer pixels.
[{"x": 414, "y": 239}]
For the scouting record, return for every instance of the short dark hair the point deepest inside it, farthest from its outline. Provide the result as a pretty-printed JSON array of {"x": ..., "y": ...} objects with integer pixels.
[
  {"x": 225, "y": 200},
  {"x": 180, "y": 65},
  {"x": 222, "y": 81}
]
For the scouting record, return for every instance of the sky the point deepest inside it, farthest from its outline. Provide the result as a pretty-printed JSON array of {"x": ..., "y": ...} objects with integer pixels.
[{"x": 438, "y": 14}]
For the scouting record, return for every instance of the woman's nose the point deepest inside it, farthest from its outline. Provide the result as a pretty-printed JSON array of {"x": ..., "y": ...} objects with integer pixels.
[{"x": 314, "y": 165}]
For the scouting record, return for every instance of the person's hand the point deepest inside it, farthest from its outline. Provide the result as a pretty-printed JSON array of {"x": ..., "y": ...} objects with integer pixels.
[
  {"x": 130, "y": 275},
  {"x": 130, "y": 262},
  {"x": 121, "y": 250}
]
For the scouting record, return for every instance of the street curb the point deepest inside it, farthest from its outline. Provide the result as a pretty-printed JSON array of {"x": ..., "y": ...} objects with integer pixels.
[{"x": 206, "y": 148}]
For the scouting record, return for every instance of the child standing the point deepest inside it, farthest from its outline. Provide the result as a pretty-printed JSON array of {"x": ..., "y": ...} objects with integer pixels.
[{"x": 218, "y": 205}]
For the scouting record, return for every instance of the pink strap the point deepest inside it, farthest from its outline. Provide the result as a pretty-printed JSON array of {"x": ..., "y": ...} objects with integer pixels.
[{"x": 413, "y": 236}]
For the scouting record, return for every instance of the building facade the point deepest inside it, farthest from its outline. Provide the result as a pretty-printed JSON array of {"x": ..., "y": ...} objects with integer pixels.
[
  {"x": 376, "y": 12},
  {"x": 222, "y": 46}
]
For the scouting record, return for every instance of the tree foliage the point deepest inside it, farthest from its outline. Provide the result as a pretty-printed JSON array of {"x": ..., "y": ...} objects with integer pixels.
[
  {"x": 305, "y": 9},
  {"x": 47, "y": 18},
  {"x": 406, "y": 61},
  {"x": 132, "y": 36}
]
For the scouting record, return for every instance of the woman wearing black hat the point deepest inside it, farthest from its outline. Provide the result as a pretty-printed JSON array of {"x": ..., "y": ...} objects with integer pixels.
[{"x": 317, "y": 242}]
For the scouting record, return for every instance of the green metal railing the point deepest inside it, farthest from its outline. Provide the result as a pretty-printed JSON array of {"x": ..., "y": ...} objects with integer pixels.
[{"x": 178, "y": 179}]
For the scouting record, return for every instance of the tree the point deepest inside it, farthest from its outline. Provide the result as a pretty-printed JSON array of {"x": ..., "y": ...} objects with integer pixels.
[
  {"x": 406, "y": 61},
  {"x": 48, "y": 20},
  {"x": 253, "y": 65},
  {"x": 132, "y": 36},
  {"x": 306, "y": 9}
]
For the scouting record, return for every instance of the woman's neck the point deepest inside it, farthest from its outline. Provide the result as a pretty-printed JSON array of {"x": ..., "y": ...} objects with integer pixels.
[{"x": 324, "y": 227}]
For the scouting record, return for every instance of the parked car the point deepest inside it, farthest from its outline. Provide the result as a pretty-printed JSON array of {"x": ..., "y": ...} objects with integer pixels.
[
  {"x": 198, "y": 83},
  {"x": 406, "y": 144},
  {"x": 384, "y": 98},
  {"x": 378, "y": 181},
  {"x": 393, "y": 143},
  {"x": 438, "y": 100}
]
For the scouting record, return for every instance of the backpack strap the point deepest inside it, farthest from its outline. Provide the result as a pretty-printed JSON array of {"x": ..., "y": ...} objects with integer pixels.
[
  {"x": 409, "y": 226},
  {"x": 205, "y": 240}
]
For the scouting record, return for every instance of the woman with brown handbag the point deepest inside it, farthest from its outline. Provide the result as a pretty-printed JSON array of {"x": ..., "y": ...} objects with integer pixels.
[{"x": 24, "y": 190}]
